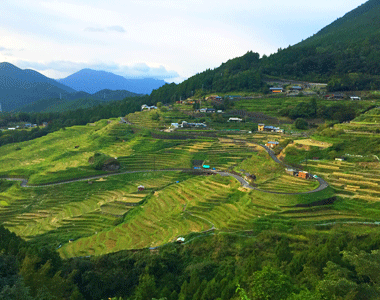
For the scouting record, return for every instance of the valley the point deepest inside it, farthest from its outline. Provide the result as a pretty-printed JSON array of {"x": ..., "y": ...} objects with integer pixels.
[{"x": 258, "y": 179}]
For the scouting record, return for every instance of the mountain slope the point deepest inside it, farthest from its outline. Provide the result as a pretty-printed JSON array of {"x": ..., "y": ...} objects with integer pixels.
[
  {"x": 76, "y": 100},
  {"x": 349, "y": 45},
  {"x": 92, "y": 81},
  {"x": 21, "y": 87},
  {"x": 344, "y": 54}
]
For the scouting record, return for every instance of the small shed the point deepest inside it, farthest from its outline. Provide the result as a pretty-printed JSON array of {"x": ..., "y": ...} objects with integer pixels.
[
  {"x": 206, "y": 167},
  {"x": 180, "y": 240},
  {"x": 234, "y": 120},
  {"x": 140, "y": 188},
  {"x": 291, "y": 171}
]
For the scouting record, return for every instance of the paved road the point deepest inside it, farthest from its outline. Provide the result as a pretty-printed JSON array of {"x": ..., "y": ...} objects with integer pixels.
[
  {"x": 322, "y": 184},
  {"x": 24, "y": 182}
]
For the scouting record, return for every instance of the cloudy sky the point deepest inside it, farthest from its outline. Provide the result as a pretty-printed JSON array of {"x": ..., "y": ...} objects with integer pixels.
[{"x": 164, "y": 39}]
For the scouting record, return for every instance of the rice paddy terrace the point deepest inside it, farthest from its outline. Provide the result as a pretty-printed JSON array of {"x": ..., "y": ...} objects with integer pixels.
[{"x": 109, "y": 214}]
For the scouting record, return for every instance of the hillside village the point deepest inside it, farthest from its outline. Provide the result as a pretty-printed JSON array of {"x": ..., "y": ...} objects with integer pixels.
[{"x": 258, "y": 179}]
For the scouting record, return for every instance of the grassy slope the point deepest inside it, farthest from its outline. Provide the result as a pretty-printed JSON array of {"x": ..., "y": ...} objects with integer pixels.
[{"x": 102, "y": 217}]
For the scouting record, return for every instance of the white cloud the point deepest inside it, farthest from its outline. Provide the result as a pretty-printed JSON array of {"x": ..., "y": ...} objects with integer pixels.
[
  {"x": 116, "y": 28},
  {"x": 93, "y": 29},
  {"x": 140, "y": 70},
  {"x": 187, "y": 36}
]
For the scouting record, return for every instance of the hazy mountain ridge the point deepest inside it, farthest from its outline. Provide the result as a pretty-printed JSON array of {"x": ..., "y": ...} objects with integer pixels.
[
  {"x": 92, "y": 81},
  {"x": 28, "y": 90},
  {"x": 76, "y": 100}
]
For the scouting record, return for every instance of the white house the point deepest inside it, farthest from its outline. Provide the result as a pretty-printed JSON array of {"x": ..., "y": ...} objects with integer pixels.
[
  {"x": 234, "y": 120},
  {"x": 147, "y": 107}
]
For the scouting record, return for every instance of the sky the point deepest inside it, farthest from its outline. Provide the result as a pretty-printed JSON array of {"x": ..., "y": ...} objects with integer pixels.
[{"x": 163, "y": 39}]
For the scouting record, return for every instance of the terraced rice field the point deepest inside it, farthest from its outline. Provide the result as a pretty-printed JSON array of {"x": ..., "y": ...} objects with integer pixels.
[
  {"x": 351, "y": 180},
  {"x": 289, "y": 184},
  {"x": 195, "y": 205},
  {"x": 57, "y": 214},
  {"x": 144, "y": 119}
]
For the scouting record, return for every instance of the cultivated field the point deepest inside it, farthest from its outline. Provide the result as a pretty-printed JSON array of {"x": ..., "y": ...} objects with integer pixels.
[{"x": 108, "y": 214}]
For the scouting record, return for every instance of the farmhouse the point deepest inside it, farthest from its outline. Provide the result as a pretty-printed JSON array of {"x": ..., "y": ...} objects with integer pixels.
[
  {"x": 207, "y": 110},
  {"x": 263, "y": 127},
  {"x": 180, "y": 240},
  {"x": 276, "y": 89},
  {"x": 234, "y": 120},
  {"x": 304, "y": 175},
  {"x": 355, "y": 98},
  {"x": 272, "y": 144},
  {"x": 214, "y": 98},
  {"x": 296, "y": 88},
  {"x": 187, "y": 125},
  {"x": 147, "y": 107},
  {"x": 140, "y": 188},
  {"x": 335, "y": 96},
  {"x": 300, "y": 174}
]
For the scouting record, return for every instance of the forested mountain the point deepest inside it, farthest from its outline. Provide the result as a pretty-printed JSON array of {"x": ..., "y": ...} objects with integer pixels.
[
  {"x": 20, "y": 87},
  {"x": 75, "y": 101},
  {"x": 92, "y": 81},
  {"x": 241, "y": 73},
  {"x": 344, "y": 54}
]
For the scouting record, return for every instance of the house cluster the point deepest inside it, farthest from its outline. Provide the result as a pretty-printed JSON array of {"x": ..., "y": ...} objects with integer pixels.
[
  {"x": 30, "y": 125},
  {"x": 185, "y": 124},
  {"x": 27, "y": 125},
  {"x": 300, "y": 174},
  {"x": 335, "y": 96},
  {"x": 276, "y": 90},
  {"x": 214, "y": 98},
  {"x": 263, "y": 127},
  {"x": 147, "y": 107},
  {"x": 207, "y": 110}
]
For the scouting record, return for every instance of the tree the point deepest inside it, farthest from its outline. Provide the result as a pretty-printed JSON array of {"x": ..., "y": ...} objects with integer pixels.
[
  {"x": 146, "y": 288},
  {"x": 301, "y": 124},
  {"x": 270, "y": 283}
]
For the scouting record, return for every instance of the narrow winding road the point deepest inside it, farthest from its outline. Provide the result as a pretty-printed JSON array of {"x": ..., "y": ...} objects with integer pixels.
[{"x": 322, "y": 183}]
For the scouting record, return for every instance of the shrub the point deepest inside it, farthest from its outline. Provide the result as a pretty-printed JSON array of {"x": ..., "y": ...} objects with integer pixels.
[
  {"x": 102, "y": 161},
  {"x": 301, "y": 124}
]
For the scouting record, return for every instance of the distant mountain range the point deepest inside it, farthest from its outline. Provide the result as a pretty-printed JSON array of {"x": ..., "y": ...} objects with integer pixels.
[
  {"x": 21, "y": 87},
  {"x": 91, "y": 81},
  {"x": 76, "y": 100},
  {"x": 28, "y": 90}
]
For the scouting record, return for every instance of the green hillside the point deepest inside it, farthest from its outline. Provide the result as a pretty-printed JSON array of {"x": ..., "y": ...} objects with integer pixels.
[
  {"x": 344, "y": 54},
  {"x": 91, "y": 227}
]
